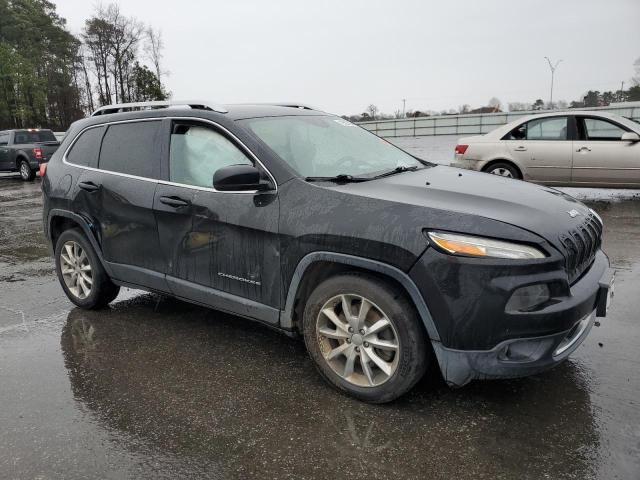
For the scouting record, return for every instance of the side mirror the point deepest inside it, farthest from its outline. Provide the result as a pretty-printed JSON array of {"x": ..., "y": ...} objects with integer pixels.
[
  {"x": 630, "y": 137},
  {"x": 238, "y": 178}
]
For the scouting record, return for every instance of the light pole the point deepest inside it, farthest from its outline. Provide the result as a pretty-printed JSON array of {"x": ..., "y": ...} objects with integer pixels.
[
  {"x": 552, "y": 67},
  {"x": 404, "y": 104}
]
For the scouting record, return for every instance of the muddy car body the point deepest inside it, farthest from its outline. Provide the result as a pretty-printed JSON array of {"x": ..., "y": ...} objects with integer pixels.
[{"x": 386, "y": 264}]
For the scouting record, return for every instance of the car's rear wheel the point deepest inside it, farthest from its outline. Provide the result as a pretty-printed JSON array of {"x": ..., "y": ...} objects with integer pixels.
[
  {"x": 26, "y": 172},
  {"x": 365, "y": 337},
  {"x": 503, "y": 169},
  {"x": 80, "y": 272}
]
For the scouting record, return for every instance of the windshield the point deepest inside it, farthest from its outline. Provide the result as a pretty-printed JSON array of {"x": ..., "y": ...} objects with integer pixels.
[
  {"x": 326, "y": 146},
  {"x": 34, "y": 136}
]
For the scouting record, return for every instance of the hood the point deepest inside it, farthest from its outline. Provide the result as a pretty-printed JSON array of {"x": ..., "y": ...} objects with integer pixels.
[{"x": 541, "y": 210}]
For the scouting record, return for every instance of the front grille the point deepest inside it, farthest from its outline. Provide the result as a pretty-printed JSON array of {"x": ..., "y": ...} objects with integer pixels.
[{"x": 581, "y": 245}]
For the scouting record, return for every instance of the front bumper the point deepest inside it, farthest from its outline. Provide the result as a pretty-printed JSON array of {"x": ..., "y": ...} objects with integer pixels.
[
  {"x": 513, "y": 358},
  {"x": 480, "y": 339}
]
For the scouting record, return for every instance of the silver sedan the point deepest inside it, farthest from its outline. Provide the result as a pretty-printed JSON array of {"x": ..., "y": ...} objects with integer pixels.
[{"x": 589, "y": 149}]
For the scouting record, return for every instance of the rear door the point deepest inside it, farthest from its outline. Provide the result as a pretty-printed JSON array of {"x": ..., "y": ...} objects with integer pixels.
[
  {"x": 118, "y": 198},
  {"x": 601, "y": 157},
  {"x": 543, "y": 146},
  {"x": 221, "y": 248}
]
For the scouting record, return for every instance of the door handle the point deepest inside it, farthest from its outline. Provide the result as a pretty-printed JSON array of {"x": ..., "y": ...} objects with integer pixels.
[
  {"x": 88, "y": 186},
  {"x": 175, "y": 202},
  {"x": 520, "y": 149},
  {"x": 583, "y": 148}
]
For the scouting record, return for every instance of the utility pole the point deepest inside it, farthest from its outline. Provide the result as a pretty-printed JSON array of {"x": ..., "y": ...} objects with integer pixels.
[
  {"x": 552, "y": 67},
  {"x": 404, "y": 104}
]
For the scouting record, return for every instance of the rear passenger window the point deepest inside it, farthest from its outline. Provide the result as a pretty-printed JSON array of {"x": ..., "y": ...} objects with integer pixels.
[
  {"x": 4, "y": 138},
  {"x": 552, "y": 128},
  {"x": 131, "y": 148},
  {"x": 197, "y": 152},
  {"x": 85, "y": 150}
]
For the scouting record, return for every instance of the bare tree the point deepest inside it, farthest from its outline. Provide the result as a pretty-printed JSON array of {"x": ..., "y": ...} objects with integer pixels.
[
  {"x": 372, "y": 110},
  {"x": 127, "y": 33},
  {"x": 153, "y": 50},
  {"x": 97, "y": 38}
]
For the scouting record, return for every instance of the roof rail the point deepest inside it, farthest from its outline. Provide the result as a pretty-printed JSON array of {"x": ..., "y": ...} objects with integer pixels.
[
  {"x": 123, "y": 107},
  {"x": 293, "y": 105}
]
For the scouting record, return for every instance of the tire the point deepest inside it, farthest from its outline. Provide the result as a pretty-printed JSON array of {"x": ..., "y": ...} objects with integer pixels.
[
  {"x": 26, "y": 172},
  {"x": 503, "y": 169},
  {"x": 361, "y": 377},
  {"x": 73, "y": 253}
]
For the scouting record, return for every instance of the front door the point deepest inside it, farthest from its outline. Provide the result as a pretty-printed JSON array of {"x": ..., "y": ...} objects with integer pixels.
[
  {"x": 601, "y": 157},
  {"x": 222, "y": 248},
  {"x": 543, "y": 146}
]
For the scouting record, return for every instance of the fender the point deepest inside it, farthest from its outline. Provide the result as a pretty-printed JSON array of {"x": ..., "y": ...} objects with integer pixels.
[
  {"x": 286, "y": 316},
  {"x": 20, "y": 155},
  {"x": 86, "y": 227}
]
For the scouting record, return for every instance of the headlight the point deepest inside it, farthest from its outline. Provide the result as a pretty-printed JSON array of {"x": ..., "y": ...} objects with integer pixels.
[{"x": 483, "y": 247}]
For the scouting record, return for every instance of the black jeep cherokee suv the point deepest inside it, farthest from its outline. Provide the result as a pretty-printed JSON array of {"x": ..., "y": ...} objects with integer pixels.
[{"x": 386, "y": 264}]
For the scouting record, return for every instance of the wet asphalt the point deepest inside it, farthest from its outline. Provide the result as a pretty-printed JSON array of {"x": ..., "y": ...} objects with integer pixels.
[{"x": 155, "y": 388}]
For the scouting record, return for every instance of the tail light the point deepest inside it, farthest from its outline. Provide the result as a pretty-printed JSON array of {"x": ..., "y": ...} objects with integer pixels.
[
  {"x": 461, "y": 149},
  {"x": 38, "y": 153},
  {"x": 43, "y": 169}
]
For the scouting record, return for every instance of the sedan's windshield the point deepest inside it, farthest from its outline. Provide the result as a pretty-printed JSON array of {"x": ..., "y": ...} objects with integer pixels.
[{"x": 326, "y": 146}]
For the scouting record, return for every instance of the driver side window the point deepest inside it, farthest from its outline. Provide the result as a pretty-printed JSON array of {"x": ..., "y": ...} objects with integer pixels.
[
  {"x": 198, "y": 151},
  {"x": 601, "y": 130}
]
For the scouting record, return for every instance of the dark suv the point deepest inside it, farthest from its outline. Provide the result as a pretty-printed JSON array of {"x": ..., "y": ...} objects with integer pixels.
[{"x": 386, "y": 264}]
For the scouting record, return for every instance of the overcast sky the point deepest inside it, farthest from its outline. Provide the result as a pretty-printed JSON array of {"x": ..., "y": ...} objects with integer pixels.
[{"x": 342, "y": 55}]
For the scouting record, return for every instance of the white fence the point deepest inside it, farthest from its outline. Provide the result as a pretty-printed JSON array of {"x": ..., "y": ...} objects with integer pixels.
[{"x": 471, "y": 124}]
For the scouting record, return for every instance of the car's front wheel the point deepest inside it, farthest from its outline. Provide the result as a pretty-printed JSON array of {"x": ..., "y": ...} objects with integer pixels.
[
  {"x": 80, "y": 272},
  {"x": 26, "y": 172},
  {"x": 365, "y": 337}
]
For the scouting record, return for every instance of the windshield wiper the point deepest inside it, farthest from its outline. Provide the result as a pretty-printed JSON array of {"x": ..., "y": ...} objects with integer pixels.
[
  {"x": 399, "y": 169},
  {"x": 342, "y": 178}
]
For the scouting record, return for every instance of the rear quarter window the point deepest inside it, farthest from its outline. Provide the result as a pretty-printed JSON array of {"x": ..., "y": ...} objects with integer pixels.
[
  {"x": 131, "y": 148},
  {"x": 85, "y": 149}
]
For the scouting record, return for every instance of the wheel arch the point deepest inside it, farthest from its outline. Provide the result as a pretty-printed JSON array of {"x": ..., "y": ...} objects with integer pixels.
[
  {"x": 20, "y": 156},
  {"x": 317, "y": 266},
  {"x": 61, "y": 220}
]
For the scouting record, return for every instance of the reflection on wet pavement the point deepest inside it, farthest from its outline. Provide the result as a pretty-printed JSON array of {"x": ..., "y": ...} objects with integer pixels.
[{"x": 157, "y": 388}]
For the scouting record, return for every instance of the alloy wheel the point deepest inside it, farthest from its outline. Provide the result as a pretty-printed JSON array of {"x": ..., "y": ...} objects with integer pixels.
[
  {"x": 503, "y": 172},
  {"x": 76, "y": 269},
  {"x": 24, "y": 170},
  {"x": 357, "y": 340}
]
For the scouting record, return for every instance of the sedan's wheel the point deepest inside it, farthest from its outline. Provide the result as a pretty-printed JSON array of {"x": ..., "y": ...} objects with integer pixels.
[
  {"x": 503, "y": 172},
  {"x": 503, "y": 169},
  {"x": 76, "y": 269},
  {"x": 26, "y": 173},
  {"x": 80, "y": 272},
  {"x": 365, "y": 337}
]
